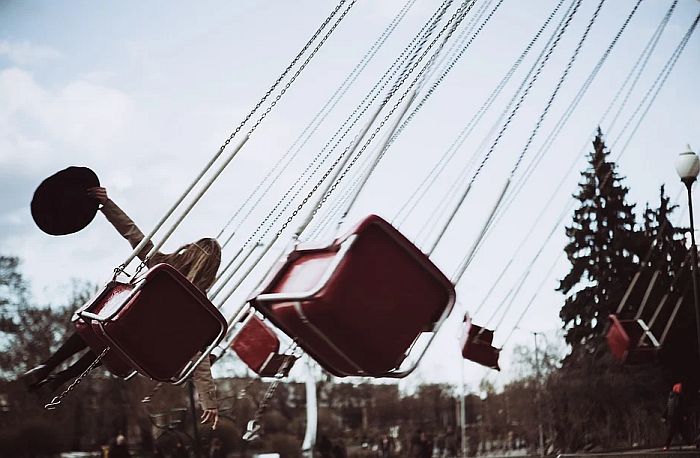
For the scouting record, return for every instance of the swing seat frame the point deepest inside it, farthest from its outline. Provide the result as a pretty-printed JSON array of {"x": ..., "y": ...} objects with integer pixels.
[
  {"x": 477, "y": 345},
  {"x": 159, "y": 324},
  {"x": 109, "y": 296},
  {"x": 631, "y": 341},
  {"x": 258, "y": 347},
  {"x": 359, "y": 305}
]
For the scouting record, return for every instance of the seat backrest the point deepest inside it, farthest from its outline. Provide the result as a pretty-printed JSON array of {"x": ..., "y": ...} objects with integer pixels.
[
  {"x": 255, "y": 344},
  {"x": 165, "y": 324}
]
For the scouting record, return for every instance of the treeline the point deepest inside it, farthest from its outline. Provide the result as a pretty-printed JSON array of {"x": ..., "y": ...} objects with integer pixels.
[
  {"x": 591, "y": 400},
  {"x": 585, "y": 400}
]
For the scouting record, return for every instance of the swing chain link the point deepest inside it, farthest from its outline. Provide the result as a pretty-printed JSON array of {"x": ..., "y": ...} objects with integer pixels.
[
  {"x": 140, "y": 268},
  {"x": 56, "y": 401},
  {"x": 280, "y": 78},
  {"x": 253, "y": 427},
  {"x": 454, "y": 21},
  {"x": 146, "y": 399},
  {"x": 120, "y": 270},
  {"x": 305, "y": 63},
  {"x": 357, "y": 118}
]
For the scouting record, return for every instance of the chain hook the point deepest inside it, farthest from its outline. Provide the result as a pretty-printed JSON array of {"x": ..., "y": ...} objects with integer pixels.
[
  {"x": 146, "y": 399},
  {"x": 56, "y": 401},
  {"x": 120, "y": 270},
  {"x": 252, "y": 431}
]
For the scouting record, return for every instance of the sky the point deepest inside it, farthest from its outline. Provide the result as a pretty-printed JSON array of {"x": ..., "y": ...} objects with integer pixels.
[{"x": 144, "y": 93}]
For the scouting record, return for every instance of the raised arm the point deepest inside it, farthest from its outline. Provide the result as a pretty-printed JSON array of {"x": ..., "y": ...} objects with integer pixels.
[{"x": 120, "y": 220}]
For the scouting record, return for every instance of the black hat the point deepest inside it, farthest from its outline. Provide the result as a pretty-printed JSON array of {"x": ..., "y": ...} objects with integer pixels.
[{"x": 61, "y": 205}]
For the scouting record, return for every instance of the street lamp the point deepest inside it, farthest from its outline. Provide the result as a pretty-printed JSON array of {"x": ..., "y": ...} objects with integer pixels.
[
  {"x": 688, "y": 167},
  {"x": 538, "y": 397}
]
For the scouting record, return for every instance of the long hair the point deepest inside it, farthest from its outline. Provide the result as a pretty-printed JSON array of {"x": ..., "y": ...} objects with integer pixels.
[{"x": 198, "y": 261}]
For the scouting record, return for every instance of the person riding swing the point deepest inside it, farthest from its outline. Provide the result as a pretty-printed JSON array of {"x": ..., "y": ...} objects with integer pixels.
[{"x": 198, "y": 261}]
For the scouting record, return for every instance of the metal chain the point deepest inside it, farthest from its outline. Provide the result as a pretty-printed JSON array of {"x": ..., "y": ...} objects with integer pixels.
[
  {"x": 317, "y": 120},
  {"x": 554, "y": 133},
  {"x": 146, "y": 399},
  {"x": 452, "y": 24},
  {"x": 253, "y": 427},
  {"x": 525, "y": 93},
  {"x": 352, "y": 119},
  {"x": 303, "y": 65},
  {"x": 489, "y": 223},
  {"x": 340, "y": 157},
  {"x": 286, "y": 86},
  {"x": 235, "y": 132},
  {"x": 374, "y": 93},
  {"x": 483, "y": 145},
  {"x": 281, "y": 77},
  {"x": 412, "y": 202},
  {"x": 57, "y": 399},
  {"x": 563, "y": 76},
  {"x": 663, "y": 74},
  {"x": 641, "y": 58},
  {"x": 642, "y": 61},
  {"x": 444, "y": 73}
]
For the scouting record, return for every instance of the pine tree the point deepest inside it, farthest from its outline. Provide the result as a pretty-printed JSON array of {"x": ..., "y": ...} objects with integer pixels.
[
  {"x": 603, "y": 251},
  {"x": 668, "y": 241}
]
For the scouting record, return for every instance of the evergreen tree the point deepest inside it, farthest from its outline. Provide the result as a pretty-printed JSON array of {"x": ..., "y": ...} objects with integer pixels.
[
  {"x": 668, "y": 241},
  {"x": 603, "y": 251}
]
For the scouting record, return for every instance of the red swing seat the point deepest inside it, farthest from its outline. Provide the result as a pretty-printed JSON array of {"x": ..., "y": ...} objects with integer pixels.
[
  {"x": 477, "y": 345},
  {"x": 156, "y": 325},
  {"x": 358, "y": 305},
  {"x": 631, "y": 341},
  {"x": 258, "y": 347}
]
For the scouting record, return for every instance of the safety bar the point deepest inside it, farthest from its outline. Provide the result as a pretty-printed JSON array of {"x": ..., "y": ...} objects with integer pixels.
[
  {"x": 647, "y": 334},
  {"x": 433, "y": 333},
  {"x": 671, "y": 319}
]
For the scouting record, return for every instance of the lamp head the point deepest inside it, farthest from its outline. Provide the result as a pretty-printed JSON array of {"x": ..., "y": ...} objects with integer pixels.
[{"x": 688, "y": 166}]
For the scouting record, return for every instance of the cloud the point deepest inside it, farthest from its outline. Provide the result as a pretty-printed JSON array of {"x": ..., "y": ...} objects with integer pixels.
[
  {"x": 25, "y": 53},
  {"x": 37, "y": 121}
]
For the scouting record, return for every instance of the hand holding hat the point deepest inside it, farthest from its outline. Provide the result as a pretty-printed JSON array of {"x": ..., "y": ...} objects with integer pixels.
[{"x": 62, "y": 203}]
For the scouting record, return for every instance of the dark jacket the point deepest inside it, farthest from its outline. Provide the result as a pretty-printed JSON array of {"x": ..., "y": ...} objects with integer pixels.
[{"x": 674, "y": 410}]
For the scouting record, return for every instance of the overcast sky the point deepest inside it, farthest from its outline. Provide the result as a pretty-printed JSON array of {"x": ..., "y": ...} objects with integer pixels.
[{"x": 144, "y": 93}]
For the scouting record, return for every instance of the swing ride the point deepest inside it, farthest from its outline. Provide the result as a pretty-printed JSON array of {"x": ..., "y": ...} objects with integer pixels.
[
  {"x": 638, "y": 339},
  {"x": 369, "y": 301}
]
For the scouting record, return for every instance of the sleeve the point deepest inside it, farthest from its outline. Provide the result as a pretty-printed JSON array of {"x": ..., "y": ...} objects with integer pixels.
[
  {"x": 205, "y": 386},
  {"x": 125, "y": 226}
]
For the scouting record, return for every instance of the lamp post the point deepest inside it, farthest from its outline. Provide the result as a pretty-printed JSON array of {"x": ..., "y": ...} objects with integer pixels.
[
  {"x": 688, "y": 167},
  {"x": 538, "y": 398}
]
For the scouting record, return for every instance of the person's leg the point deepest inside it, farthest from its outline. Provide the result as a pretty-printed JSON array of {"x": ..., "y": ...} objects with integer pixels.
[
  {"x": 672, "y": 430},
  {"x": 72, "y": 371},
  {"x": 71, "y": 346},
  {"x": 685, "y": 433}
]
